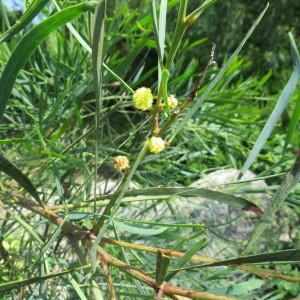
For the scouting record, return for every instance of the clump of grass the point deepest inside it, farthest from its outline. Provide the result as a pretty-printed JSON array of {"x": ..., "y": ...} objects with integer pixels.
[{"x": 72, "y": 110}]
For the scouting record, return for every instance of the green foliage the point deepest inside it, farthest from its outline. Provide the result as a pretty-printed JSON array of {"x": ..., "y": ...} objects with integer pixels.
[
  {"x": 269, "y": 48},
  {"x": 66, "y": 99}
]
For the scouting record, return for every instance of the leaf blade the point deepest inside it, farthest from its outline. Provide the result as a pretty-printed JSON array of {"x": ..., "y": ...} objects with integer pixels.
[
  {"x": 231, "y": 200},
  {"x": 291, "y": 180},
  {"x": 12, "y": 171},
  {"x": 30, "y": 42},
  {"x": 19, "y": 283},
  {"x": 219, "y": 76},
  {"x": 139, "y": 230},
  {"x": 272, "y": 120},
  {"x": 187, "y": 257},
  {"x": 24, "y": 20},
  {"x": 279, "y": 256}
]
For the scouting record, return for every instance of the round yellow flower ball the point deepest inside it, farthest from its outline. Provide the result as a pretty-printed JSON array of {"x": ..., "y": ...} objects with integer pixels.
[
  {"x": 172, "y": 101},
  {"x": 121, "y": 162},
  {"x": 143, "y": 98},
  {"x": 156, "y": 144}
]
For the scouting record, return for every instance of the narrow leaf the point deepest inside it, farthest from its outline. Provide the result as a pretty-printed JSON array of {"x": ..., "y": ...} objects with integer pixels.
[
  {"x": 295, "y": 52},
  {"x": 290, "y": 182},
  {"x": 162, "y": 34},
  {"x": 216, "y": 80},
  {"x": 11, "y": 170},
  {"x": 139, "y": 230},
  {"x": 296, "y": 113},
  {"x": 280, "y": 106},
  {"x": 187, "y": 257},
  {"x": 162, "y": 264},
  {"x": 274, "y": 117},
  {"x": 156, "y": 34},
  {"x": 162, "y": 25},
  {"x": 19, "y": 283},
  {"x": 230, "y": 200},
  {"x": 98, "y": 46},
  {"x": 30, "y": 230},
  {"x": 293, "y": 124},
  {"x": 164, "y": 85},
  {"x": 77, "y": 289},
  {"x": 30, "y": 41},
  {"x": 279, "y": 256},
  {"x": 97, "y": 60},
  {"x": 33, "y": 10}
]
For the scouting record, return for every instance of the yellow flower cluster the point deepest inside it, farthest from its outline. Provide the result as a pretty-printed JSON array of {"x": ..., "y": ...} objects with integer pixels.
[
  {"x": 172, "y": 101},
  {"x": 143, "y": 98},
  {"x": 156, "y": 144},
  {"x": 121, "y": 162}
]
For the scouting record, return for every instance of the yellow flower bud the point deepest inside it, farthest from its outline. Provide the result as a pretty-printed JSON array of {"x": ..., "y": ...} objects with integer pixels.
[
  {"x": 172, "y": 101},
  {"x": 143, "y": 98},
  {"x": 121, "y": 162},
  {"x": 156, "y": 144}
]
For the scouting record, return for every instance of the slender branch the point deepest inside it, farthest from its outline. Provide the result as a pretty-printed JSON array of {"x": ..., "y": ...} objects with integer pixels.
[
  {"x": 73, "y": 231},
  {"x": 194, "y": 92},
  {"x": 154, "y": 250},
  {"x": 168, "y": 289},
  {"x": 177, "y": 37},
  {"x": 156, "y": 110},
  {"x": 260, "y": 272},
  {"x": 160, "y": 293},
  {"x": 67, "y": 227},
  {"x": 108, "y": 278}
]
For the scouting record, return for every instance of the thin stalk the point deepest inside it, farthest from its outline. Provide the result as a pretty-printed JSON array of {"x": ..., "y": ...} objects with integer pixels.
[
  {"x": 116, "y": 200},
  {"x": 178, "y": 34},
  {"x": 260, "y": 272}
]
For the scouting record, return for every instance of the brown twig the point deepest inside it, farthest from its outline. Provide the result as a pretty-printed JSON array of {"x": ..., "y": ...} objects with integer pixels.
[
  {"x": 72, "y": 231},
  {"x": 156, "y": 110},
  {"x": 260, "y": 272},
  {"x": 108, "y": 278},
  {"x": 168, "y": 289},
  {"x": 160, "y": 293},
  {"x": 194, "y": 92},
  {"x": 69, "y": 228}
]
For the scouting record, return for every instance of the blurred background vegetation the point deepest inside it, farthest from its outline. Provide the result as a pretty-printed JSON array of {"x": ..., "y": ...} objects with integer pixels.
[{"x": 268, "y": 48}]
